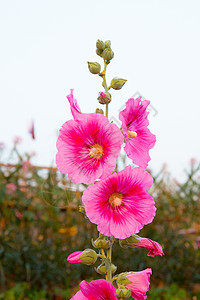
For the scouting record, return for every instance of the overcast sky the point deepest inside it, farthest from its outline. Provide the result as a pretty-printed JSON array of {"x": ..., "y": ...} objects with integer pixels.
[{"x": 44, "y": 49}]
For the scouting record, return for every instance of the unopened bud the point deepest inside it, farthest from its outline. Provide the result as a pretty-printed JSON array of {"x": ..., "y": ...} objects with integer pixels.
[
  {"x": 99, "y": 111},
  {"x": 94, "y": 67},
  {"x": 99, "y": 52},
  {"x": 88, "y": 257},
  {"x": 107, "y": 44},
  {"x": 104, "y": 97},
  {"x": 101, "y": 243},
  {"x": 123, "y": 293},
  {"x": 100, "y": 45},
  {"x": 122, "y": 279},
  {"x": 102, "y": 269},
  {"x": 117, "y": 83},
  {"x": 108, "y": 54},
  {"x": 129, "y": 241}
]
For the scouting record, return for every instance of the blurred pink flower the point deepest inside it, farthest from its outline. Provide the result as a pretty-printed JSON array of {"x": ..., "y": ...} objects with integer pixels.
[
  {"x": 17, "y": 140},
  {"x": 2, "y": 145},
  {"x": 140, "y": 283},
  {"x": 10, "y": 188},
  {"x": 138, "y": 138},
  {"x": 88, "y": 148},
  {"x": 119, "y": 204},
  {"x": 154, "y": 247},
  {"x": 193, "y": 161},
  {"x": 96, "y": 290},
  {"x": 73, "y": 258},
  {"x": 26, "y": 166},
  {"x": 18, "y": 214}
]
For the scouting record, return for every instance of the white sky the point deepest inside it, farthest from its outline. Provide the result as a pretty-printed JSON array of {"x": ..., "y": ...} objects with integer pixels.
[{"x": 44, "y": 49}]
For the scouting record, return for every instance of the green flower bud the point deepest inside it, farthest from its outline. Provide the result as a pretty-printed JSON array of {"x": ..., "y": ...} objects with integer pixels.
[
  {"x": 102, "y": 269},
  {"x": 122, "y": 279},
  {"x": 99, "y": 111},
  {"x": 101, "y": 243},
  {"x": 104, "y": 97},
  {"x": 129, "y": 241},
  {"x": 94, "y": 67},
  {"x": 99, "y": 52},
  {"x": 108, "y": 54},
  {"x": 100, "y": 45},
  {"x": 88, "y": 257},
  {"x": 107, "y": 44},
  {"x": 123, "y": 293},
  {"x": 117, "y": 83}
]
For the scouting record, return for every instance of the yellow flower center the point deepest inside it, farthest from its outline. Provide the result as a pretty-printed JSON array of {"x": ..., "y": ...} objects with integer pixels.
[
  {"x": 131, "y": 133},
  {"x": 116, "y": 199},
  {"x": 96, "y": 151}
]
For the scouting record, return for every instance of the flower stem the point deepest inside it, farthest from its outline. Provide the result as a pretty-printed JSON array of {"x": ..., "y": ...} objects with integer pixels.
[
  {"x": 103, "y": 75},
  {"x": 107, "y": 110}
]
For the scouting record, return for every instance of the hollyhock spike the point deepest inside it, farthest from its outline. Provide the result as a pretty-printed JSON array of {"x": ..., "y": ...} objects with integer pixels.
[
  {"x": 88, "y": 148},
  {"x": 96, "y": 290},
  {"x": 119, "y": 204},
  {"x": 138, "y": 138}
]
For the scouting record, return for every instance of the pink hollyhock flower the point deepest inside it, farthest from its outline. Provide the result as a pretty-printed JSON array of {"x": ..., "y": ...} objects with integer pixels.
[
  {"x": 74, "y": 257},
  {"x": 75, "y": 109},
  {"x": 96, "y": 290},
  {"x": 140, "y": 283},
  {"x": 119, "y": 204},
  {"x": 154, "y": 247},
  {"x": 10, "y": 188},
  {"x": 138, "y": 139},
  {"x": 88, "y": 148}
]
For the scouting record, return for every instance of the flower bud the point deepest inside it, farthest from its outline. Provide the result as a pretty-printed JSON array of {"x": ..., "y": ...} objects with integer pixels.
[
  {"x": 122, "y": 279},
  {"x": 108, "y": 54},
  {"x": 94, "y": 67},
  {"x": 117, "y": 83},
  {"x": 88, "y": 257},
  {"x": 107, "y": 44},
  {"x": 102, "y": 269},
  {"x": 100, "y": 45},
  {"x": 99, "y": 111},
  {"x": 99, "y": 52},
  {"x": 101, "y": 243},
  {"x": 129, "y": 241},
  {"x": 104, "y": 97},
  {"x": 123, "y": 293}
]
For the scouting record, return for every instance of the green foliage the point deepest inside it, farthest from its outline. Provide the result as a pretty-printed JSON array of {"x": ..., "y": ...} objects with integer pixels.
[{"x": 173, "y": 292}]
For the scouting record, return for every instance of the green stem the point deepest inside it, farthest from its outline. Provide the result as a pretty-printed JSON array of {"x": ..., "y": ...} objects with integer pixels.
[
  {"x": 107, "y": 110},
  {"x": 108, "y": 270},
  {"x": 103, "y": 75}
]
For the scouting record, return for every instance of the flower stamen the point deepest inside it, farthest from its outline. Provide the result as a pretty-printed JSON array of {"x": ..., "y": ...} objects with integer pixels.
[
  {"x": 96, "y": 151},
  {"x": 131, "y": 133},
  {"x": 116, "y": 199}
]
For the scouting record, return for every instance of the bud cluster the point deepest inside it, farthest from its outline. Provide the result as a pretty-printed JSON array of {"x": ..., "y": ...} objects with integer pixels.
[{"x": 104, "y": 50}]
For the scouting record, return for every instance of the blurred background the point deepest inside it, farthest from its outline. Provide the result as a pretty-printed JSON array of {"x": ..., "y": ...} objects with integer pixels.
[{"x": 45, "y": 46}]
